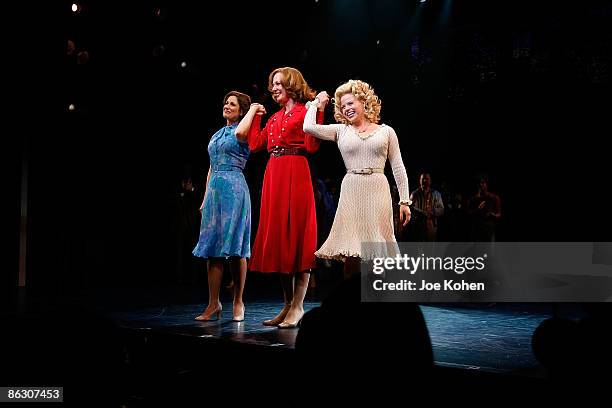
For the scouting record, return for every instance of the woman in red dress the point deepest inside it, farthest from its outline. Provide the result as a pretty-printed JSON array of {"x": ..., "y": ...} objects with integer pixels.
[{"x": 287, "y": 234}]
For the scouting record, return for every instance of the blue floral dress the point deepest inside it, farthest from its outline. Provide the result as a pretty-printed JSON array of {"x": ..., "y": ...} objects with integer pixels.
[{"x": 226, "y": 217}]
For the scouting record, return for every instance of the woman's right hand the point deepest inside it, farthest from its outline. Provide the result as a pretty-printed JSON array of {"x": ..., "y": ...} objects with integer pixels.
[{"x": 258, "y": 109}]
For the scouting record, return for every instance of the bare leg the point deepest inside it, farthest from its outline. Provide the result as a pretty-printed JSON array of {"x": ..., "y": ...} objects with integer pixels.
[
  {"x": 215, "y": 274},
  {"x": 297, "y": 305},
  {"x": 287, "y": 284},
  {"x": 238, "y": 267}
]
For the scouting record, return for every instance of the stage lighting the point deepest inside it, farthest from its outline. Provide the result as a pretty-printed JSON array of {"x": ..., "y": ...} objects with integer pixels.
[
  {"x": 79, "y": 9},
  {"x": 183, "y": 64},
  {"x": 71, "y": 107}
]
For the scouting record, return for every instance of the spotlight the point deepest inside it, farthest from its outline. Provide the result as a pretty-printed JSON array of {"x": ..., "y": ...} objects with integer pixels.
[
  {"x": 183, "y": 64},
  {"x": 71, "y": 107},
  {"x": 79, "y": 9}
]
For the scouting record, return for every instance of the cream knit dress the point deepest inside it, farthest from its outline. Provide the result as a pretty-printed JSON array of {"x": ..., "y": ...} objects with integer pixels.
[{"x": 363, "y": 225}]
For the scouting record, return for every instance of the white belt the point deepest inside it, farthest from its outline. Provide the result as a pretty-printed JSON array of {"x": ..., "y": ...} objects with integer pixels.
[{"x": 367, "y": 170}]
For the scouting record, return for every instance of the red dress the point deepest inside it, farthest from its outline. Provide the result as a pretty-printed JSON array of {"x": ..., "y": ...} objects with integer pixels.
[{"x": 287, "y": 234}]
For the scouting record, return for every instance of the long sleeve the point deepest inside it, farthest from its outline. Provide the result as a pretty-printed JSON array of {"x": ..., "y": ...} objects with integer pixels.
[
  {"x": 257, "y": 137},
  {"x": 311, "y": 127},
  {"x": 311, "y": 143},
  {"x": 397, "y": 166}
]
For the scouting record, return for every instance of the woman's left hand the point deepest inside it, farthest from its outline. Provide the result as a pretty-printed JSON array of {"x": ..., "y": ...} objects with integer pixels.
[
  {"x": 405, "y": 214},
  {"x": 323, "y": 98}
]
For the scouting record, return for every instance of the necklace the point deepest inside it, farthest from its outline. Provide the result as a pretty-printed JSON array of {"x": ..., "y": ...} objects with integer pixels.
[
  {"x": 363, "y": 134},
  {"x": 364, "y": 130}
]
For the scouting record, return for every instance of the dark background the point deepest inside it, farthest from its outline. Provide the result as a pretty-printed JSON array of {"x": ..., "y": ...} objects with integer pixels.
[{"x": 517, "y": 90}]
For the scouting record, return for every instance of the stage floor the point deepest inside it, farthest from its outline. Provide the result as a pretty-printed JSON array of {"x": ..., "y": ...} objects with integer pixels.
[
  {"x": 145, "y": 345},
  {"x": 490, "y": 338}
]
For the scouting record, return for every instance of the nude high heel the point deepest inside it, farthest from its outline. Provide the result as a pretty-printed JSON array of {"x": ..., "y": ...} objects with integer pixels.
[
  {"x": 279, "y": 318},
  {"x": 204, "y": 317},
  {"x": 238, "y": 317}
]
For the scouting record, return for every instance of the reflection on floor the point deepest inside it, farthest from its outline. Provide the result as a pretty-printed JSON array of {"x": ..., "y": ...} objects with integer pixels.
[{"x": 484, "y": 338}]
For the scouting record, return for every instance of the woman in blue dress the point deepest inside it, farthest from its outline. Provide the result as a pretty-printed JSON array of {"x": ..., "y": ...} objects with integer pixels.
[{"x": 225, "y": 231}]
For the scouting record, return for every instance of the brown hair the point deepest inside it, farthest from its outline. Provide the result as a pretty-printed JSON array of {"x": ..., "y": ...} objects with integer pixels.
[
  {"x": 295, "y": 84},
  {"x": 244, "y": 101}
]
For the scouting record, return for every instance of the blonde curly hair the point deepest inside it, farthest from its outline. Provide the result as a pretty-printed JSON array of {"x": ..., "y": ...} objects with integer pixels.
[{"x": 363, "y": 92}]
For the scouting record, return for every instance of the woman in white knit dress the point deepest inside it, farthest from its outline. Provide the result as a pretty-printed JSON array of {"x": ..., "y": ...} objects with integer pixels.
[{"x": 363, "y": 225}]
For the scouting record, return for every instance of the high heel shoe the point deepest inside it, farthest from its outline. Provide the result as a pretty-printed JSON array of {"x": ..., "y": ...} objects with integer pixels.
[
  {"x": 278, "y": 319},
  {"x": 238, "y": 317},
  {"x": 208, "y": 317},
  {"x": 286, "y": 325}
]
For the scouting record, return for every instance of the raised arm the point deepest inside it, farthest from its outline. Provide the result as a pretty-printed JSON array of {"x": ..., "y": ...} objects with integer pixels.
[
  {"x": 397, "y": 166},
  {"x": 249, "y": 128},
  {"x": 311, "y": 127}
]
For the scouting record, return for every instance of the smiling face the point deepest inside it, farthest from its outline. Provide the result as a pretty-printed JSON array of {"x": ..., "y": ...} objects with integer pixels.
[
  {"x": 279, "y": 93},
  {"x": 231, "y": 109},
  {"x": 352, "y": 108}
]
